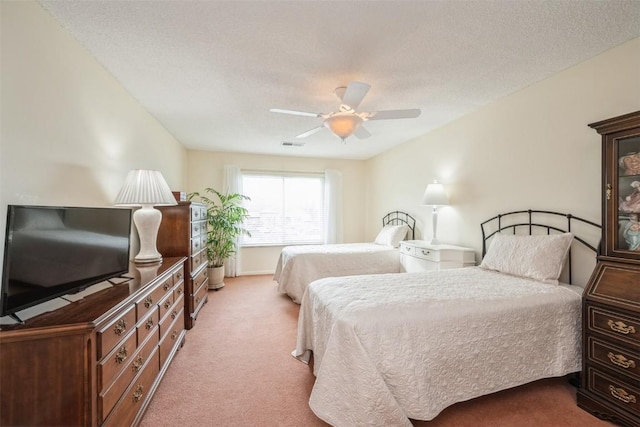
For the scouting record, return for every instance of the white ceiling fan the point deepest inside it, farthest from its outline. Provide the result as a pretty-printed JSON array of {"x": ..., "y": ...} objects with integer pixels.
[{"x": 346, "y": 121}]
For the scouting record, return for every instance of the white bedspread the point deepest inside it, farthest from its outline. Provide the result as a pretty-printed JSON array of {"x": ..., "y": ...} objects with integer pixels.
[
  {"x": 391, "y": 347},
  {"x": 300, "y": 265}
]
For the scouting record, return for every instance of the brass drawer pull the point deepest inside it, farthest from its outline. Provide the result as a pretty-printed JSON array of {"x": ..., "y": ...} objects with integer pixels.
[
  {"x": 620, "y": 327},
  {"x": 174, "y": 314},
  {"x": 622, "y": 395},
  {"x": 148, "y": 302},
  {"x": 197, "y": 300},
  {"x": 120, "y": 327},
  {"x": 620, "y": 360},
  {"x": 179, "y": 275},
  {"x": 167, "y": 304},
  {"x": 149, "y": 324},
  {"x": 121, "y": 355},
  {"x": 137, "y": 395},
  {"x": 179, "y": 291},
  {"x": 166, "y": 286},
  {"x": 137, "y": 364},
  {"x": 174, "y": 335}
]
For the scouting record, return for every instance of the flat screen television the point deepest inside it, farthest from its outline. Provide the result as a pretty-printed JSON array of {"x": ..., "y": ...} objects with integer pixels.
[{"x": 51, "y": 251}]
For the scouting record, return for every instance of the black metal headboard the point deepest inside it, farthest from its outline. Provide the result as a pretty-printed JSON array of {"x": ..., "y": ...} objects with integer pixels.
[
  {"x": 534, "y": 220},
  {"x": 399, "y": 218}
]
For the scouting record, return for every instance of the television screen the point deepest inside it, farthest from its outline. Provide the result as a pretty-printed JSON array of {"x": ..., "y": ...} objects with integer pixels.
[{"x": 51, "y": 251}]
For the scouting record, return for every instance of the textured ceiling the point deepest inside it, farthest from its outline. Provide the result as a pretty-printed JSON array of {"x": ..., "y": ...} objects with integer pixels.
[{"x": 209, "y": 71}]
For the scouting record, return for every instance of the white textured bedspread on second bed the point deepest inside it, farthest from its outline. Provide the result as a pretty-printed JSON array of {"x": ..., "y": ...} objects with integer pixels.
[
  {"x": 391, "y": 347},
  {"x": 300, "y": 265}
]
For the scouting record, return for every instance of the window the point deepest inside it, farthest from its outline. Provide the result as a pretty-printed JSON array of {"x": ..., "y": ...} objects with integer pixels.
[{"x": 285, "y": 209}]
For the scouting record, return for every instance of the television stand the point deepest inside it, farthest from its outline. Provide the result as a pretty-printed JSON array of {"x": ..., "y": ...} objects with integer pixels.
[{"x": 96, "y": 361}]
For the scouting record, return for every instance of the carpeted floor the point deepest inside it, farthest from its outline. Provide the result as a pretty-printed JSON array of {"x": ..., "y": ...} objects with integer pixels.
[{"x": 235, "y": 369}]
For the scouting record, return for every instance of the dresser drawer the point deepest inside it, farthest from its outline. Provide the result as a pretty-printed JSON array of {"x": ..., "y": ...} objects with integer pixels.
[
  {"x": 615, "y": 391},
  {"x": 614, "y": 325},
  {"x": 201, "y": 277},
  {"x": 615, "y": 358},
  {"x": 198, "y": 228},
  {"x": 133, "y": 399},
  {"x": 172, "y": 314},
  {"x": 171, "y": 337},
  {"x": 114, "y": 362},
  {"x": 109, "y": 397},
  {"x": 178, "y": 276},
  {"x": 147, "y": 325},
  {"x": 197, "y": 260},
  {"x": 200, "y": 295},
  {"x": 109, "y": 336},
  {"x": 150, "y": 300},
  {"x": 196, "y": 244},
  {"x": 198, "y": 213}
]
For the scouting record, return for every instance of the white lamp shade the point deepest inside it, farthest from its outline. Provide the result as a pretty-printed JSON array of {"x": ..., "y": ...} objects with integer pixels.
[
  {"x": 145, "y": 187},
  {"x": 435, "y": 195}
]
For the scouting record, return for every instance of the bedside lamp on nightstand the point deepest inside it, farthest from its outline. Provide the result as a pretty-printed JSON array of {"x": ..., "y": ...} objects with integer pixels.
[{"x": 435, "y": 196}]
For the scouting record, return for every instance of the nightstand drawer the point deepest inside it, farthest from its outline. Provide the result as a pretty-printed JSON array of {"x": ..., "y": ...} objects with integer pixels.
[
  {"x": 615, "y": 391},
  {"x": 614, "y": 325},
  {"x": 613, "y": 357}
]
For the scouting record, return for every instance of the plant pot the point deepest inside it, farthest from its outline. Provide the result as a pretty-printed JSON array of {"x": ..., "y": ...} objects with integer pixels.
[{"x": 216, "y": 277}]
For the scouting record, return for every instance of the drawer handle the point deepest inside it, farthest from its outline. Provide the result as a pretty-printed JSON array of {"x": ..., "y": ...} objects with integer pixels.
[
  {"x": 622, "y": 395},
  {"x": 174, "y": 335},
  {"x": 425, "y": 252},
  {"x": 137, "y": 364},
  {"x": 121, "y": 355},
  {"x": 174, "y": 314},
  {"x": 120, "y": 327},
  {"x": 620, "y": 360},
  {"x": 197, "y": 300},
  {"x": 167, "y": 304},
  {"x": 137, "y": 395},
  {"x": 621, "y": 328},
  {"x": 179, "y": 291},
  {"x": 149, "y": 324},
  {"x": 166, "y": 286},
  {"x": 179, "y": 275},
  {"x": 148, "y": 302}
]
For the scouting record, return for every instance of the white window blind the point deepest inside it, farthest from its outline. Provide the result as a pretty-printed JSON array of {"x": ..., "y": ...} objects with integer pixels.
[{"x": 285, "y": 209}]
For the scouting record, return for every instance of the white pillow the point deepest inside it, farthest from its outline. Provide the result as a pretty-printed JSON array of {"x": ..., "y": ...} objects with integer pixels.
[
  {"x": 392, "y": 235},
  {"x": 538, "y": 257}
]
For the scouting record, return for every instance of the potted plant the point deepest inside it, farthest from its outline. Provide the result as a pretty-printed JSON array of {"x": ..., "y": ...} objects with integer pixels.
[{"x": 225, "y": 218}]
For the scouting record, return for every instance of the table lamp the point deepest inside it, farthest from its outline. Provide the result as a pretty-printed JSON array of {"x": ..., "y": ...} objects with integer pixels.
[
  {"x": 435, "y": 196},
  {"x": 146, "y": 188}
]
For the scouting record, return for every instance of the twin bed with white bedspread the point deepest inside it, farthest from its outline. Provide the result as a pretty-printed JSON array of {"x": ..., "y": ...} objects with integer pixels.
[
  {"x": 300, "y": 265},
  {"x": 388, "y": 348}
]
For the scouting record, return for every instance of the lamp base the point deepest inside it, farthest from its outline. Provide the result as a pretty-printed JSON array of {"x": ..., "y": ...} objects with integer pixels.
[
  {"x": 147, "y": 220},
  {"x": 434, "y": 242},
  {"x": 146, "y": 259}
]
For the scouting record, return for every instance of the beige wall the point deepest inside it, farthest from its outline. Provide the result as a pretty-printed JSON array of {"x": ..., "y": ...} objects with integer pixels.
[
  {"x": 70, "y": 132},
  {"x": 530, "y": 150},
  {"x": 206, "y": 170}
]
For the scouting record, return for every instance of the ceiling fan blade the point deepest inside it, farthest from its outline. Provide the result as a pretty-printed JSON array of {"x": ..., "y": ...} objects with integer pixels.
[
  {"x": 361, "y": 133},
  {"x": 354, "y": 94},
  {"x": 295, "y": 113},
  {"x": 394, "y": 114},
  {"x": 310, "y": 132}
]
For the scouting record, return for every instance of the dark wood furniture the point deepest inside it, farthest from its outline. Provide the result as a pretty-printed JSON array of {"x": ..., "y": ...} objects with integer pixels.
[
  {"x": 610, "y": 386},
  {"x": 96, "y": 361},
  {"x": 183, "y": 232}
]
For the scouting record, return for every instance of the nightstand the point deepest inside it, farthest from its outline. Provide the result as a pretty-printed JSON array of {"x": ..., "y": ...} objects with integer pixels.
[{"x": 419, "y": 255}]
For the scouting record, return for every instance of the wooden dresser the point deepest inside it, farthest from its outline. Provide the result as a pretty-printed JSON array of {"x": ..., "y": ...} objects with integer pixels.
[
  {"x": 98, "y": 360},
  {"x": 183, "y": 232},
  {"x": 610, "y": 386}
]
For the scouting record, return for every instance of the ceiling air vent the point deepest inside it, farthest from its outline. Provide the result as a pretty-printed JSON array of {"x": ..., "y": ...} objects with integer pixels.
[{"x": 292, "y": 144}]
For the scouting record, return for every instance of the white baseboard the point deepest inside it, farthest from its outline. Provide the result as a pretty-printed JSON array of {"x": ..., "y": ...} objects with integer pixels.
[{"x": 255, "y": 273}]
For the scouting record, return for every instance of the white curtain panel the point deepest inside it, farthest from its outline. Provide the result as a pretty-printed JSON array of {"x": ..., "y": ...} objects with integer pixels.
[
  {"x": 232, "y": 183},
  {"x": 333, "y": 206}
]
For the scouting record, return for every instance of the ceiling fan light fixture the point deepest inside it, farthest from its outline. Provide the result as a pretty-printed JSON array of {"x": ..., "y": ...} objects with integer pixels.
[{"x": 343, "y": 125}]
